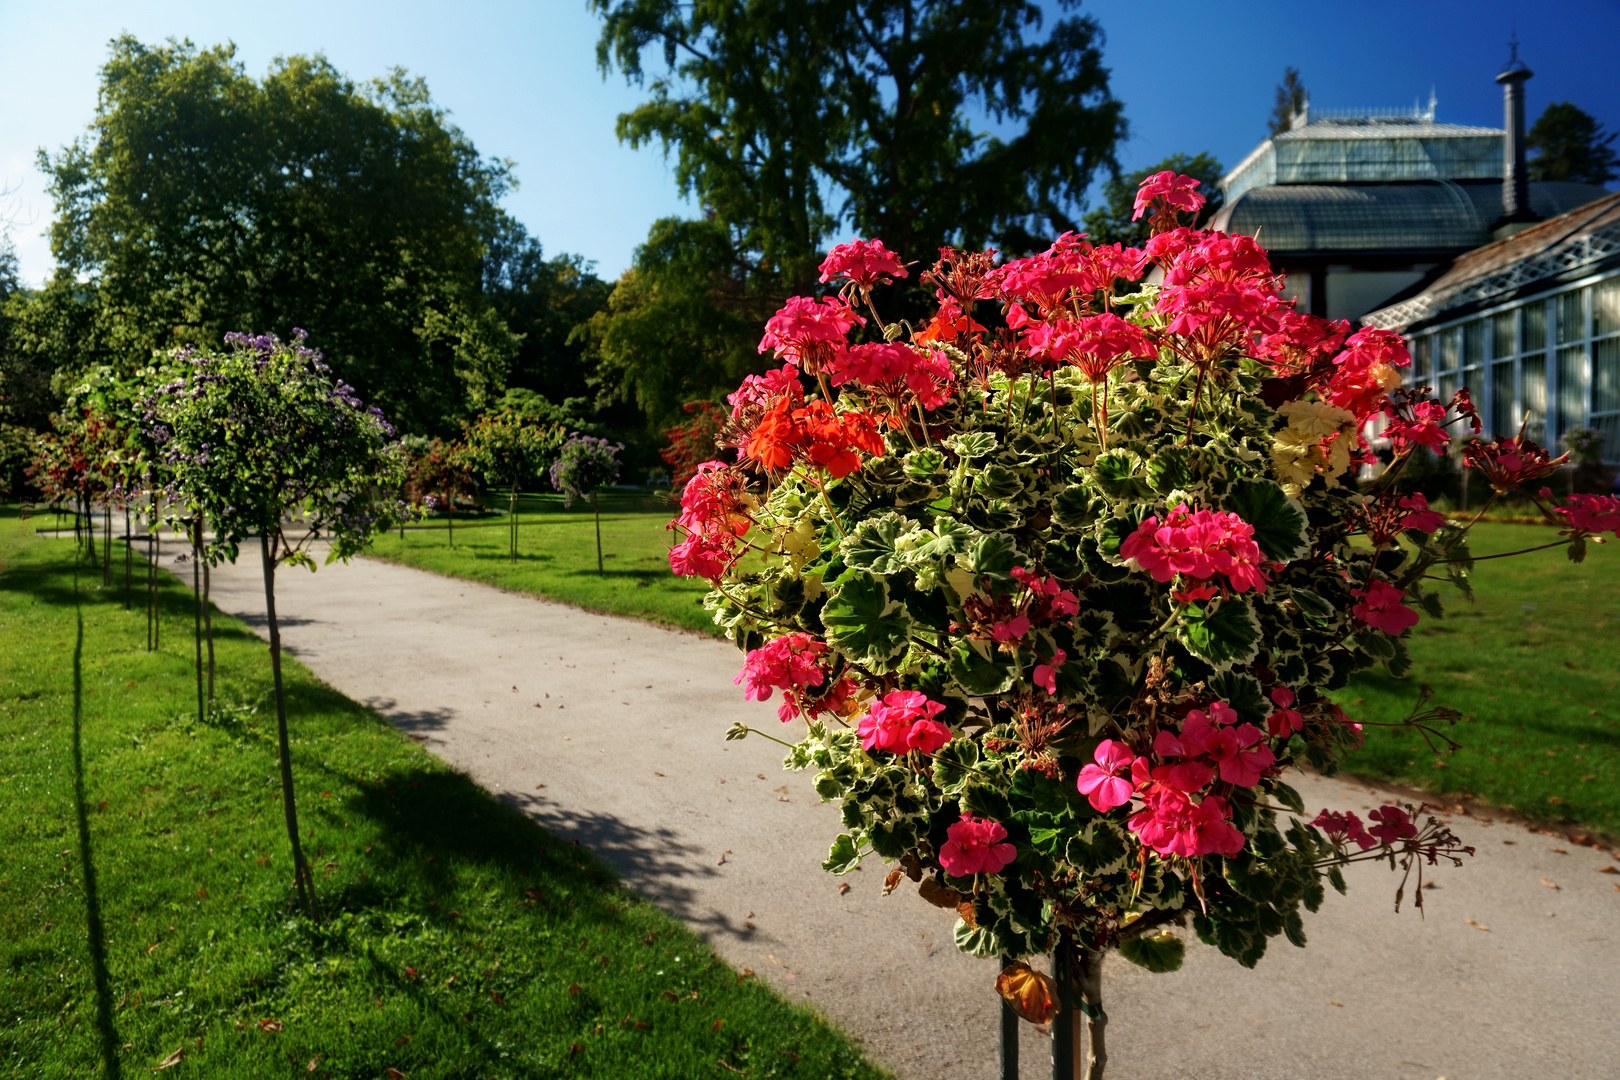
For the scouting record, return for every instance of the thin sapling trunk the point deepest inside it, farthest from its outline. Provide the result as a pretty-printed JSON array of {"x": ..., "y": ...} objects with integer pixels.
[
  {"x": 129, "y": 559},
  {"x": 450, "y": 517},
  {"x": 512, "y": 529},
  {"x": 196, "y": 613},
  {"x": 597, "y": 513},
  {"x": 305, "y": 881},
  {"x": 1088, "y": 984},
  {"x": 208, "y": 630}
]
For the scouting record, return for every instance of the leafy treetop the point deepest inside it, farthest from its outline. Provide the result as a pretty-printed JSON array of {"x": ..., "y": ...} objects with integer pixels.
[{"x": 1569, "y": 144}]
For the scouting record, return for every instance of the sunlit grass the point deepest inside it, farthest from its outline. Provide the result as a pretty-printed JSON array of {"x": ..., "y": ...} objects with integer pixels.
[{"x": 144, "y": 893}]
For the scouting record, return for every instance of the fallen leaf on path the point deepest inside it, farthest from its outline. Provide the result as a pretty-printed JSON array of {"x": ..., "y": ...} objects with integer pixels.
[
  {"x": 1510, "y": 841},
  {"x": 1548, "y": 884},
  {"x": 891, "y": 882},
  {"x": 1559, "y": 850},
  {"x": 745, "y": 973},
  {"x": 723, "y": 855},
  {"x": 1478, "y": 925},
  {"x": 748, "y": 926},
  {"x": 843, "y": 887},
  {"x": 657, "y": 773},
  {"x": 1340, "y": 1004},
  {"x": 172, "y": 1059},
  {"x": 1610, "y": 870}
]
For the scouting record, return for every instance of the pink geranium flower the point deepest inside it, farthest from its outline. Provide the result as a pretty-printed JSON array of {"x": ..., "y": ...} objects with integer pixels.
[
  {"x": 1240, "y": 754},
  {"x": 1167, "y": 189},
  {"x": 809, "y": 332},
  {"x": 1393, "y": 824},
  {"x": 1199, "y": 545},
  {"x": 903, "y": 721},
  {"x": 1045, "y": 675},
  {"x": 1344, "y": 828},
  {"x": 1286, "y": 719},
  {"x": 973, "y": 846},
  {"x": 1587, "y": 513},
  {"x": 863, "y": 262},
  {"x": 790, "y": 663},
  {"x": 1102, "y": 784},
  {"x": 1381, "y": 607}
]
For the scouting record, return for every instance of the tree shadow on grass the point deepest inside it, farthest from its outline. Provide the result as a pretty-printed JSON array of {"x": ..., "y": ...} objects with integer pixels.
[
  {"x": 95, "y": 932},
  {"x": 442, "y": 820}
]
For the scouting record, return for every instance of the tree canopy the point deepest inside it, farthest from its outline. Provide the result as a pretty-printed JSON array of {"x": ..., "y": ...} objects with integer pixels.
[
  {"x": 1292, "y": 97},
  {"x": 917, "y": 121},
  {"x": 1569, "y": 144},
  {"x": 203, "y": 201},
  {"x": 1110, "y": 222}
]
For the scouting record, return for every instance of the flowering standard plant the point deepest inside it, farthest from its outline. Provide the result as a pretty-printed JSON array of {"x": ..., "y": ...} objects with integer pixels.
[{"x": 1059, "y": 583}]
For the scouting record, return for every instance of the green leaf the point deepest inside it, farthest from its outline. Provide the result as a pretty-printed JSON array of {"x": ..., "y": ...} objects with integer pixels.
[
  {"x": 872, "y": 545},
  {"x": 998, "y": 482},
  {"x": 862, "y": 621},
  {"x": 992, "y": 553},
  {"x": 1077, "y": 508},
  {"x": 976, "y": 941},
  {"x": 1241, "y": 691},
  {"x": 974, "y": 444},
  {"x": 954, "y": 765},
  {"x": 1312, "y": 606},
  {"x": 1279, "y": 522},
  {"x": 844, "y": 856},
  {"x": 981, "y": 676},
  {"x": 1100, "y": 849},
  {"x": 1119, "y": 475},
  {"x": 1223, "y": 635},
  {"x": 1170, "y": 470},
  {"x": 1159, "y": 953}
]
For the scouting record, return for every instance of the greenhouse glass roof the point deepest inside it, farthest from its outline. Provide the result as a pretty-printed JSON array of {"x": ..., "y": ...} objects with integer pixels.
[
  {"x": 1368, "y": 147},
  {"x": 1434, "y": 217}
]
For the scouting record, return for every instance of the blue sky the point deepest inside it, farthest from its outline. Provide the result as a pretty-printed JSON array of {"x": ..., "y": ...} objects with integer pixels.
[{"x": 521, "y": 80}]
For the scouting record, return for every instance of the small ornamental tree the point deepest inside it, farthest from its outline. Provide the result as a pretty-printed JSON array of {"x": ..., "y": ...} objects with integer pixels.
[
  {"x": 1060, "y": 583},
  {"x": 440, "y": 475},
  {"x": 264, "y": 442},
  {"x": 508, "y": 448},
  {"x": 584, "y": 466}
]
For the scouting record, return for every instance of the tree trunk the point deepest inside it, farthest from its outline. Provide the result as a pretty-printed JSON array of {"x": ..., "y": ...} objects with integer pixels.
[
  {"x": 511, "y": 528},
  {"x": 196, "y": 613},
  {"x": 129, "y": 558},
  {"x": 157, "y": 557},
  {"x": 1089, "y": 984},
  {"x": 304, "y": 880},
  {"x": 106, "y": 545},
  {"x": 450, "y": 517},
  {"x": 208, "y": 628},
  {"x": 595, "y": 510},
  {"x": 1079, "y": 1046}
]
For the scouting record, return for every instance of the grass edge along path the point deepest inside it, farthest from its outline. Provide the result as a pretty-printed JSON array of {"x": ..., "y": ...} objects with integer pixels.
[{"x": 144, "y": 904}]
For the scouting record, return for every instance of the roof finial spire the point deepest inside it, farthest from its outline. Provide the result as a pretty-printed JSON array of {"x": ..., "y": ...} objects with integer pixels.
[{"x": 1513, "y": 46}]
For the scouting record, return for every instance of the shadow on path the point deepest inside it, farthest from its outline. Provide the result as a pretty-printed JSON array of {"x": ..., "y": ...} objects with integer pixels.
[{"x": 105, "y": 1025}]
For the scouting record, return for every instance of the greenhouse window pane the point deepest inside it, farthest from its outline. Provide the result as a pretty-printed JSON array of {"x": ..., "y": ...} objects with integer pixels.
[
  {"x": 1448, "y": 350},
  {"x": 1533, "y": 327},
  {"x": 1606, "y": 306},
  {"x": 1609, "y": 428},
  {"x": 1502, "y": 335},
  {"x": 1606, "y": 375},
  {"x": 1421, "y": 348},
  {"x": 1473, "y": 335},
  {"x": 1571, "y": 310},
  {"x": 1448, "y": 387},
  {"x": 1504, "y": 411},
  {"x": 1571, "y": 387},
  {"x": 1534, "y": 394}
]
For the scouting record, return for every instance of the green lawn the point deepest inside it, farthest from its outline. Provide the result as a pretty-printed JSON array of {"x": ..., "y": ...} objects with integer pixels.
[
  {"x": 144, "y": 895},
  {"x": 557, "y": 558},
  {"x": 1533, "y": 664}
]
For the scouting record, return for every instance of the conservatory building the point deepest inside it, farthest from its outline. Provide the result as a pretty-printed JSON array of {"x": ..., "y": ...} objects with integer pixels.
[{"x": 1530, "y": 324}]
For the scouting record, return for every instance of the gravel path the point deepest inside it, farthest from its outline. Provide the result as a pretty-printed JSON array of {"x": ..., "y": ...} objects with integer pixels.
[{"x": 610, "y": 731}]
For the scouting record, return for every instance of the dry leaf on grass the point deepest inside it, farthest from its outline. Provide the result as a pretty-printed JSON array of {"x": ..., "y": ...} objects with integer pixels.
[
  {"x": 172, "y": 1060},
  {"x": 269, "y": 1025}
]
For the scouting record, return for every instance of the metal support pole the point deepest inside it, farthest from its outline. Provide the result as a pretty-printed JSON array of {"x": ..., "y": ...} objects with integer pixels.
[
  {"x": 1009, "y": 1034},
  {"x": 1063, "y": 1022}
]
